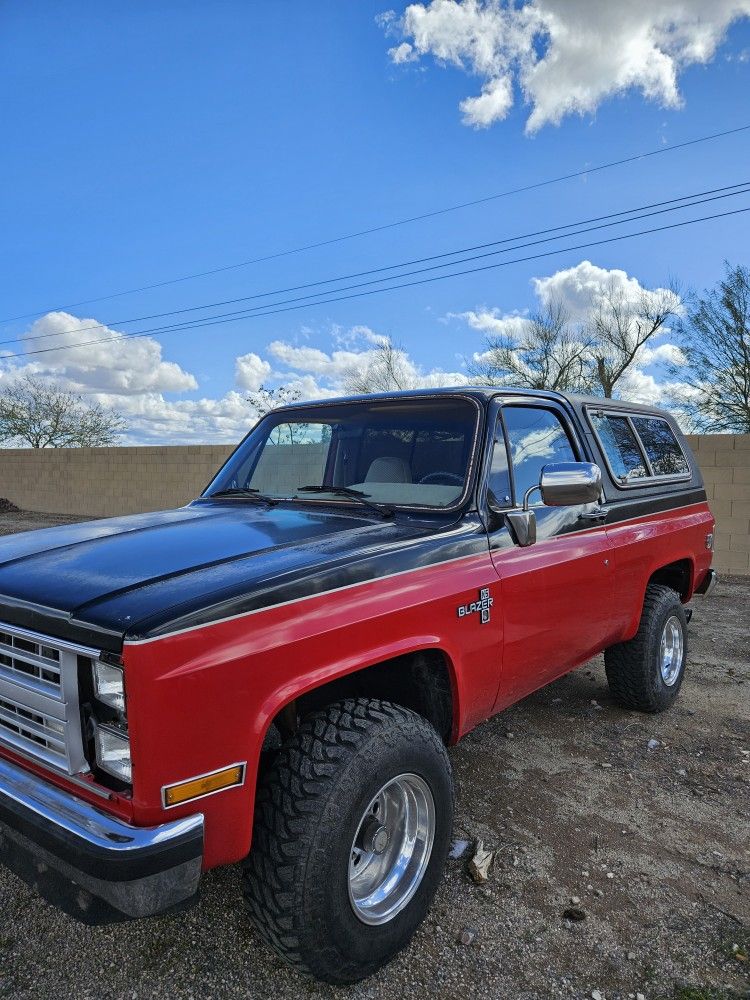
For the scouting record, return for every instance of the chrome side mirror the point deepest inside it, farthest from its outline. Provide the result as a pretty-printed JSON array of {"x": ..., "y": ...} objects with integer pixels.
[{"x": 567, "y": 484}]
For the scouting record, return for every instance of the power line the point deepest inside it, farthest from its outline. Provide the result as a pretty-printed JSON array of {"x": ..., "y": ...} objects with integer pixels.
[
  {"x": 392, "y": 225},
  {"x": 252, "y": 310},
  {"x": 217, "y": 321},
  {"x": 676, "y": 204}
]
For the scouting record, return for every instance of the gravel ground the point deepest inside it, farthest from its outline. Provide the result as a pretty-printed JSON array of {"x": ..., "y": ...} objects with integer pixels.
[{"x": 650, "y": 843}]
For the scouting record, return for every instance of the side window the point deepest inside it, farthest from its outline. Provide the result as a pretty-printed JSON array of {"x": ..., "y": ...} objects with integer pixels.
[
  {"x": 664, "y": 453},
  {"x": 536, "y": 437},
  {"x": 626, "y": 440},
  {"x": 620, "y": 446}
]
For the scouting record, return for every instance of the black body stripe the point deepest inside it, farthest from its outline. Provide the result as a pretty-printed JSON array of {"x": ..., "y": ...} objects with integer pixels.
[
  {"x": 346, "y": 572},
  {"x": 426, "y": 554}
]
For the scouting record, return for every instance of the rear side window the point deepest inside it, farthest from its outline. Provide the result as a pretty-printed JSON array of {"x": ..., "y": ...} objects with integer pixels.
[
  {"x": 639, "y": 448},
  {"x": 664, "y": 453},
  {"x": 620, "y": 446}
]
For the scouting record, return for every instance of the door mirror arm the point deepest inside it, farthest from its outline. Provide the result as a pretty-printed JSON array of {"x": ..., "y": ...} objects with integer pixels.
[
  {"x": 527, "y": 495},
  {"x": 522, "y": 524}
]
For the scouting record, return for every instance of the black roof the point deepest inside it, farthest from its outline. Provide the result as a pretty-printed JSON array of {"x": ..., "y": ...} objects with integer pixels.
[{"x": 484, "y": 392}]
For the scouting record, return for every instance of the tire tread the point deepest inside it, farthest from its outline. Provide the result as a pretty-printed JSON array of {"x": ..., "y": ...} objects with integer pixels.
[
  {"x": 628, "y": 664},
  {"x": 292, "y": 793}
]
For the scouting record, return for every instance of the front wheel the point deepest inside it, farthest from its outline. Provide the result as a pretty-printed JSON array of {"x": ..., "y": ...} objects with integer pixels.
[
  {"x": 646, "y": 672},
  {"x": 352, "y": 829}
]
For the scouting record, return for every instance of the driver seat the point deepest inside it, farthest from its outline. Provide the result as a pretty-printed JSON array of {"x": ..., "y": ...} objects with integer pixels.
[{"x": 387, "y": 469}]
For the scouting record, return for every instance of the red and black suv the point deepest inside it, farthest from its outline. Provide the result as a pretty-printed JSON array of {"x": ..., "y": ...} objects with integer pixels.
[{"x": 272, "y": 673}]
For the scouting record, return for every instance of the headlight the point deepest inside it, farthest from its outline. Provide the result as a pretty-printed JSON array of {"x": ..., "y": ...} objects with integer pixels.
[
  {"x": 109, "y": 685},
  {"x": 113, "y": 752}
]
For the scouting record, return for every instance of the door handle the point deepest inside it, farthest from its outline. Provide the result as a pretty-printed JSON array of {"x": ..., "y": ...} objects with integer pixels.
[{"x": 596, "y": 515}]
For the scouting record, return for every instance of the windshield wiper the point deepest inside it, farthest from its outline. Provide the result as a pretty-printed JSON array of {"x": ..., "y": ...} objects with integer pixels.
[
  {"x": 245, "y": 492},
  {"x": 346, "y": 491}
]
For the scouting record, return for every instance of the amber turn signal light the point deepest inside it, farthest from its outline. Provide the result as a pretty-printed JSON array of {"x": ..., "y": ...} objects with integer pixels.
[{"x": 205, "y": 784}]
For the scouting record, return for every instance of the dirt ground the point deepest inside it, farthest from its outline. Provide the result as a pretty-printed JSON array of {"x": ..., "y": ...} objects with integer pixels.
[{"x": 650, "y": 842}]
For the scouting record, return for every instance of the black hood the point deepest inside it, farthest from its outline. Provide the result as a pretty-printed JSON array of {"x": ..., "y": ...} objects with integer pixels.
[{"x": 100, "y": 581}]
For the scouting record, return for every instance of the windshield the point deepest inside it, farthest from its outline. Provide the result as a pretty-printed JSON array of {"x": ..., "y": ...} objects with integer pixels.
[{"x": 402, "y": 452}]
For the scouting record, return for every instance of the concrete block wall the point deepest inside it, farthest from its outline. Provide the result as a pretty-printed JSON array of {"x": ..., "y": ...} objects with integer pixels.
[
  {"x": 103, "y": 482},
  {"x": 724, "y": 460},
  {"x": 282, "y": 469}
]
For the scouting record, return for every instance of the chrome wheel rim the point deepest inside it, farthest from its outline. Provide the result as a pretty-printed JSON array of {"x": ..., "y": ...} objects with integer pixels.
[
  {"x": 391, "y": 849},
  {"x": 671, "y": 651}
]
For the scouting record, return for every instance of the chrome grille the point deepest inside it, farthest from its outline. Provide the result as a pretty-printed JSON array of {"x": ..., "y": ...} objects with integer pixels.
[
  {"x": 39, "y": 713},
  {"x": 30, "y": 657}
]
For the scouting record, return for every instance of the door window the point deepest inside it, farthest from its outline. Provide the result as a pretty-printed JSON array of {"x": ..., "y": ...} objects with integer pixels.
[{"x": 536, "y": 437}]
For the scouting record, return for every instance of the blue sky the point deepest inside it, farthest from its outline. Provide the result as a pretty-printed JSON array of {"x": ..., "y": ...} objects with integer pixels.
[{"x": 143, "y": 141}]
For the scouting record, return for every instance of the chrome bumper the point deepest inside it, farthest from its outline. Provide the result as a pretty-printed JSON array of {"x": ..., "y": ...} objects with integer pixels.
[
  {"x": 95, "y": 867},
  {"x": 708, "y": 583}
]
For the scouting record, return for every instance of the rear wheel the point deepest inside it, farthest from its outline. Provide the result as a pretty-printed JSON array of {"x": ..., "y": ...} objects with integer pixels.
[
  {"x": 646, "y": 672},
  {"x": 352, "y": 829}
]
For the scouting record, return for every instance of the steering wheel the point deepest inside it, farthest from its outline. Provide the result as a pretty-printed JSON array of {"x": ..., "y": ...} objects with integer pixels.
[{"x": 441, "y": 479}]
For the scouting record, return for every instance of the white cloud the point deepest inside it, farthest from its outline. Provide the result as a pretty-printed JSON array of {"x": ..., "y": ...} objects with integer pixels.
[
  {"x": 251, "y": 371},
  {"x": 152, "y": 419},
  {"x": 493, "y": 103},
  {"x": 157, "y": 396},
  {"x": 642, "y": 387},
  {"x": 494, "y": 323},
  {"x": 576, "y": 286},
  {"x": 663, "y": 354},
  {"x": 403, "y": 53},
  {"x": 331, "y": 366},
  {"x": 91, "y": 358},
  {"x": 130, "y": 376},
  {"x": 565, "y": 56},
  {"x": 577, "y": 289},
  {"x": 318, "y": 374}
]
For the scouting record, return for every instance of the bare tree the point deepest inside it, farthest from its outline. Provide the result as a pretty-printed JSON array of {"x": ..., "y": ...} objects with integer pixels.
[
  {"x": 714, "y": 338},
  {"x": 386, "y": 370},
  {"x": 39, "y": 414},
  {"x": 620, "y": 326},
  {"x": 264, "y": 400},
  {"x": 550, "y": 353}
]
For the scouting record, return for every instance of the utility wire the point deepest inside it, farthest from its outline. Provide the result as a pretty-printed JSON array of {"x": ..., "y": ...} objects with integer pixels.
[
  {"x": 675, "y": 204},
  {"x": 204, "y": 324},
  {"x": 392, "y": 225},
  {"x": 249, "y": 312}
]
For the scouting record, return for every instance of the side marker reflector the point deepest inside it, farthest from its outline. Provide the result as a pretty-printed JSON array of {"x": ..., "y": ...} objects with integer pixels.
[{"x": 205, "y": 784}]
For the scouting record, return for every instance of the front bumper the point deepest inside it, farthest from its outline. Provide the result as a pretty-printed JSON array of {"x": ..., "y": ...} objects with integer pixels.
[{"x": 90, "y": 864}]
